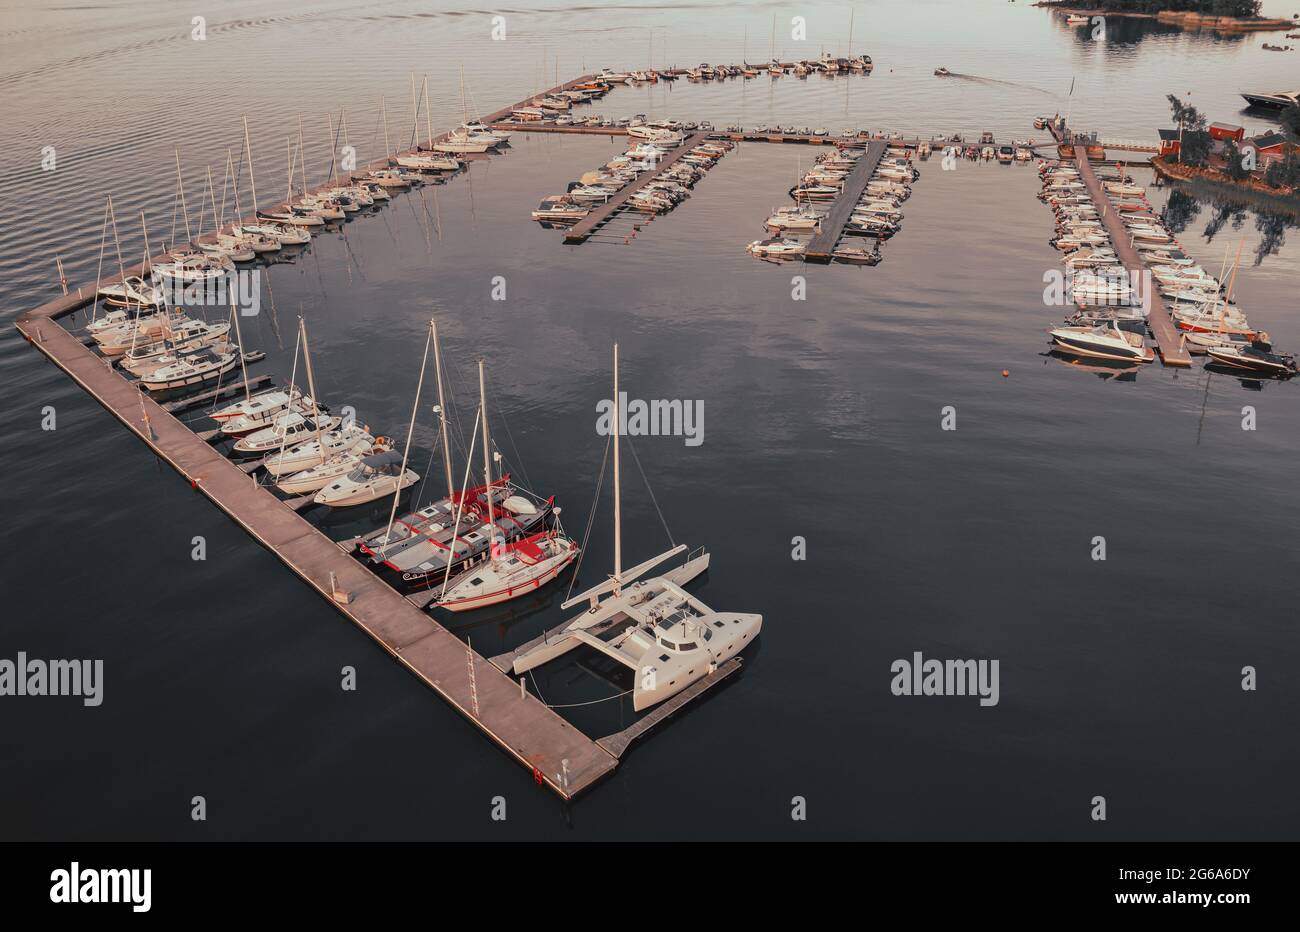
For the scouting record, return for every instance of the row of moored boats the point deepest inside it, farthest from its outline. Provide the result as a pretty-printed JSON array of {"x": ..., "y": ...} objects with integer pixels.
[
  {"x": 877, "y": 215},
  {"x": 666, "y": 189},
  {"x": 1113, "y": 302}
]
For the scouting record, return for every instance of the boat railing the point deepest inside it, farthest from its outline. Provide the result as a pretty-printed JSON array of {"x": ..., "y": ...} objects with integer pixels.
[{"x": 695, "y": 554}]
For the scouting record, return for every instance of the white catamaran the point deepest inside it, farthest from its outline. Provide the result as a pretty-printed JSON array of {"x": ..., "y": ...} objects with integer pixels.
[{"x": 667, "y": 637}]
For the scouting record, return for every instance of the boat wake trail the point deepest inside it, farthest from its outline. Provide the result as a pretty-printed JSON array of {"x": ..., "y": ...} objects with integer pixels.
[{"x": 983, "y": 80}]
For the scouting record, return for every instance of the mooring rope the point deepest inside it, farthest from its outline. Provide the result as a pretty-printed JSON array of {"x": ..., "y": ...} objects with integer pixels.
[
  {"x": 591, "y": 517},
  {"x": 636, "y": 459}
]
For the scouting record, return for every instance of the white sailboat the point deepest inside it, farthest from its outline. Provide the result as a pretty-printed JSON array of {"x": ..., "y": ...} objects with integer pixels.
[
  {"x": 667, "y": 637},
  {"x": 509, "y": 570},
  {"x": 310, "y": 465}
]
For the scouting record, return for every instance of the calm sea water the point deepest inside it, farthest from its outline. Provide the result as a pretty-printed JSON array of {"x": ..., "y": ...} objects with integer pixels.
[{"x": 1118, "y": 678}]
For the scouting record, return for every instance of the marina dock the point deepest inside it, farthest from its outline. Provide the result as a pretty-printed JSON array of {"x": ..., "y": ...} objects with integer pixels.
[
  {"x": 1170, "y": 343},
  {"x": 823, "y": 242},
  {"x": 583, "y": 229},
  {"x": 537, "y": 737},
  {"x": 555, "y": 753}
]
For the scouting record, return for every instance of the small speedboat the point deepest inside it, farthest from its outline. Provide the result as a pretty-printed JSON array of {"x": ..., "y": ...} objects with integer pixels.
[
  {"x": 261, "y": 410},
  {"x": 803, "y": 217},
  {"x": 856, "y": 255},
  {"x": 286, "y": 429},
  {"x": 434, "y": 163},
  {"x": 113, "y": 326},
  {"x": 1105, "y": 341},
  {"x": 814, "y": 192},
  {"x": 349, "y": 438},
  {"x": 190, "y": 370},
  {"x": 942, "y": 72},
  {"x": 316, "y": 477},
  {"x": 257, "y": 242},
  {"x": 235, "y": 251},
  {"x": 1255, "y": 359},
  {"x": 376, "y": 476},
  {"x": 284, "y": 234},
  {"x": 560, "y": 208},
  {"x": 390, "y": 178},
  {"x": 187, "y": 334},
  {"x": 193, "y": 267},
  {"x": 776, "y": 248},
  {"x": 292, "y": 218},
  {"x": 132, "y": 292}
]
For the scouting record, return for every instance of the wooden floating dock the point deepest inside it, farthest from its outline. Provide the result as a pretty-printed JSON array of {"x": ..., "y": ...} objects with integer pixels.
[
  {"x": 583, "y": 229},
  {"x": 1172, "y": 350},
  {"x": 617, "y": 743},
  {"x": 216, "y": 394},
  {"x": 822, "y": 244},
  {"x": 553, "y": 750}
]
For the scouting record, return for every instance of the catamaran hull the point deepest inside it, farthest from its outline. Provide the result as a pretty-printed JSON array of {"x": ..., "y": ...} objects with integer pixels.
[{"x": 667, "y": 679}]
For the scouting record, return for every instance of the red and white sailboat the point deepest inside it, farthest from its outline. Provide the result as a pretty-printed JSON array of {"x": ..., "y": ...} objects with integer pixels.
[{"x": 509, "y": 569}]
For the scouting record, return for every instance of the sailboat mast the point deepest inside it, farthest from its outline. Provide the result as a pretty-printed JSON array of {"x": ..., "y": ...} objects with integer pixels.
[
  {"x": 410, "y": 430},
  {"x": 442, "y": 410},
  {"x": 428, "y": 121},
  {"x": 383, "y": 113},
  {"x": 618, "y": 489},
  {"x": 415, "y": 109},
  {"x": 311, "y": 385},
  {"x": 239, "y": 346},
  {"x": 180, "y": 185},
  {"x": 487, "y": 464},
  {"x": 1223, "y": 310},
  {"x": 252, "y": 181},
  {"x": 302, "y": 157},
  {"x": 464, "y": 103}
]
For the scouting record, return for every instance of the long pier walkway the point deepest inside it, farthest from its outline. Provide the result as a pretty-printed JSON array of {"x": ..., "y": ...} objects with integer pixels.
[
  {"x": 556, "y": 752},
  {"x": 1172, "y": 350},
  {"x": 581, "y": 230},
  {"x": 821, "y": 246}
]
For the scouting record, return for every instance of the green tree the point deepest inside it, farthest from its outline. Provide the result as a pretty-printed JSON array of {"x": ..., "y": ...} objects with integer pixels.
[
  {"x": 1291, "y": 122},
  {"x": 1185, "y": 115},
  {"x": 1195, "y": 147},
  {"x": 1232, "y": 161}
]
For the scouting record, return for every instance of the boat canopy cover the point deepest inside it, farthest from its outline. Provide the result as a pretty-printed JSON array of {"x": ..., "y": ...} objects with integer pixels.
[
  {"x": 376, "y": 460},
  {"x": 519, "y": 505}
]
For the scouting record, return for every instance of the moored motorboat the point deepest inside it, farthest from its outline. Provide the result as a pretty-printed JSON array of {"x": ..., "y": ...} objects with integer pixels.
[
  {"x": 306, "y": 453},
  {"x": 375, "y": 476},
  {"x": 1105, "y": 341},
  {"x": 322, "y": 473},
  {"x": 285, "y": 429},
  {"x": 131, "y": 292},
  {"x": 203, "y": 366},
  {"x": 776, "y": 248},
  {"x": 1253, "y": 358}
]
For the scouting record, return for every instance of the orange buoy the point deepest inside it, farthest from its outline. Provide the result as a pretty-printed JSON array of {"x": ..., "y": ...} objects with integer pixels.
[{"x": 1006, "y": 373}]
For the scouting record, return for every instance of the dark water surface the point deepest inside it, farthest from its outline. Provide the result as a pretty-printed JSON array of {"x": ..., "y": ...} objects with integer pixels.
[{"x": 1118, "y": 678}]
